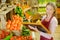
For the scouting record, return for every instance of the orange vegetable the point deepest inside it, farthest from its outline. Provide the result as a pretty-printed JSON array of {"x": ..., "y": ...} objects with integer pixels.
[
  {"x": 15, "y": 38},
  {"x": 27, "y": 15},
  {"x": 9, "y": 22},
  {"x": 18, "y": 4},
  {"x": 15, "y": 23},
  {"x": 8, "y": 26},
  {"x": 3, "y": 34},
  {"x": 25, "y": 7},
  {"x": 21, "y": 38}
]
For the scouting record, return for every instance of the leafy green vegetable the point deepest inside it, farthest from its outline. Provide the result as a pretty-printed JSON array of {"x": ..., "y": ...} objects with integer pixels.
[
  {"x": 18, "y": 11},
  {"x": 8, "y": 37},
  {"x": 29, "y": 12},
  {"x": 25, "y": 31}
]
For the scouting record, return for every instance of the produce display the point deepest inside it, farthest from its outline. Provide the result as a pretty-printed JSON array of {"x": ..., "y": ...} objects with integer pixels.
[
  {"x": 8, "y": 35},
  {"x": 16, "y": 23},
  {"x": 22, "y": 13}
]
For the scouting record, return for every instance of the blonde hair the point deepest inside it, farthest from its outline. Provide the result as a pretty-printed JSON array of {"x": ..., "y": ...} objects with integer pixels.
[{"x": 54, "y": 7}]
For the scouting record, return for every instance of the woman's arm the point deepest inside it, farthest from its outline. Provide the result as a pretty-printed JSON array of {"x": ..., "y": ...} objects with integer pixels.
[{"x": 53, "y": 25}]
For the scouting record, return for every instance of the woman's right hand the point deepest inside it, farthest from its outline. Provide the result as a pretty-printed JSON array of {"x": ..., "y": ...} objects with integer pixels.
[{"x": 33, "y": 28}]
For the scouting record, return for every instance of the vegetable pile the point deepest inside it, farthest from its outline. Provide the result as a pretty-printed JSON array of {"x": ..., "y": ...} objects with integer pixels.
[
  {"x": 15, "y": 24},
  {"x": 21, "y": 38},
  {"x": 3, "y": 34}
]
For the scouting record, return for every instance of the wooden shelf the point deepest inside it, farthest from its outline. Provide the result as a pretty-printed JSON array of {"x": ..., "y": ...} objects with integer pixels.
[
  {"x": 42, "y": 5},
  {"x": 58, "y": 10},
  {"x": 35, "y": 6},
  {"x": 39, "y": 5},
  {"x": 42, "y": 12}
]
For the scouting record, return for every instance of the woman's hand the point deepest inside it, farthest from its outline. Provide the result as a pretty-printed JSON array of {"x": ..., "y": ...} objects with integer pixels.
[{"x": 33, "y": 28}]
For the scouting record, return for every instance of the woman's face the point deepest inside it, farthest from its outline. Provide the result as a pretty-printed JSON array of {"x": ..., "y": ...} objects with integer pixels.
[{"x": 49, "y": 10}]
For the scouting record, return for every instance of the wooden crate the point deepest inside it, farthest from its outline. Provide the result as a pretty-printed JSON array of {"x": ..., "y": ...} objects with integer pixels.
[{"x": 5, "y": 15}]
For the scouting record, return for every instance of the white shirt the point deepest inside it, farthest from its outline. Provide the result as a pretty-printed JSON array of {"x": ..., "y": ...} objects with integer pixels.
[{"x": 52, "y": 27}]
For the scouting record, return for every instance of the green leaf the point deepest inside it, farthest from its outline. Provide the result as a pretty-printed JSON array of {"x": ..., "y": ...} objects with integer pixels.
[
  {"x": 18, "y": 10},
  {"x": 25, "y": 31},
  {"x": 8, "y": 37}
]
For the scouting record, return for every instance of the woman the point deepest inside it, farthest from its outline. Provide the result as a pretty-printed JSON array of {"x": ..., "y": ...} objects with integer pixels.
[{"x": 49, "y": 21}]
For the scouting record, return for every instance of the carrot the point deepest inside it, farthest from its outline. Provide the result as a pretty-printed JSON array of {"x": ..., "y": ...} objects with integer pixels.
[{"x": 27, "y": 15}]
